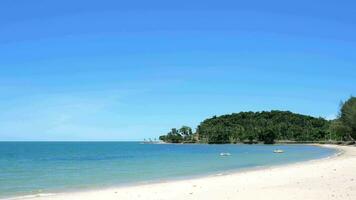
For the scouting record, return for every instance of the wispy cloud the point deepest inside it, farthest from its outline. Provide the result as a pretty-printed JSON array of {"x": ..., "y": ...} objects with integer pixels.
[{"x": 56, "y": 116}]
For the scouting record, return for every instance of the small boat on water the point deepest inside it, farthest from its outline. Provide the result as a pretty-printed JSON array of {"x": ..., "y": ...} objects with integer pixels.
[
  {"x": 278, "y": 151},
  {"x": 225, "y": 154}
]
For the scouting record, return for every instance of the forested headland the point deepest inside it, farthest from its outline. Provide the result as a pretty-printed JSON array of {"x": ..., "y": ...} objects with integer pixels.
[{"x": 270, "y": 126}]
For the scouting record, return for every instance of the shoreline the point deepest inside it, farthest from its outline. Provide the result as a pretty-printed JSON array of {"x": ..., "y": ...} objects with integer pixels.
[
  {"x": 155, "y": 190},
  {"x": 217, "y": 173}
]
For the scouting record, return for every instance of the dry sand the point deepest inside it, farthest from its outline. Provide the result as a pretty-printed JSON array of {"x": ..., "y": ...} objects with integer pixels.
[{"x": 332, "y": 178}]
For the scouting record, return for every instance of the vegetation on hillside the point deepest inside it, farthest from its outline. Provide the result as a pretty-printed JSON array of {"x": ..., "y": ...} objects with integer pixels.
[
  {"x": 267, "y": 127},
  {"x": 264, "y": 127}
]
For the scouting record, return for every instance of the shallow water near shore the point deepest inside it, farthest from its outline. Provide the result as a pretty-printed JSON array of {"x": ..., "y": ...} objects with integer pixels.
[{"x": 28, "y": 168}]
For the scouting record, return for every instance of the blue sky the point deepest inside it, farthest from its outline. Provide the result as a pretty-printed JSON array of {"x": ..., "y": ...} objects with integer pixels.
[{"x": 128, "y": 70}]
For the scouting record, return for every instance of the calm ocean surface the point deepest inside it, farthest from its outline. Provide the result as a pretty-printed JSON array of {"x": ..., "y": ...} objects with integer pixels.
[{"x": 47, "y": 167}]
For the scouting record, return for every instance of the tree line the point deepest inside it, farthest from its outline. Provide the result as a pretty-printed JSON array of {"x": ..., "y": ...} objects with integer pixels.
[
  {"x": 267, "y": 127},
  {"x": 184, "y": 134}
]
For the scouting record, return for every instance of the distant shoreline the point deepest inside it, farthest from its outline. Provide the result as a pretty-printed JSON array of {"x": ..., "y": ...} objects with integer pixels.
[{"x": 347, "y": 143}]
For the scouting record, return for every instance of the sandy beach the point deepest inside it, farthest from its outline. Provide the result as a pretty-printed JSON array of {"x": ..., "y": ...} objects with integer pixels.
[{"x": 330, "y": 178}]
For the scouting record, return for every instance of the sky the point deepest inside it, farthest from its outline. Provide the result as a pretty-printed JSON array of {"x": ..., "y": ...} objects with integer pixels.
[{"x": 127, "y": 70}]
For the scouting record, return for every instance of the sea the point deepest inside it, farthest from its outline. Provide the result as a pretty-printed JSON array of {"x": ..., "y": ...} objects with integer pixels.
[{"x": 46, "y": 168}]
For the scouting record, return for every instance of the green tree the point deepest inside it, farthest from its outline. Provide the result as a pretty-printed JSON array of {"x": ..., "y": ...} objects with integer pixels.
[
  {"x": 338, "y": 131},
  {"x": 268, "y": 136},
  {"x": 186, "y": 132},
  {"x": 348, "y": 117}
]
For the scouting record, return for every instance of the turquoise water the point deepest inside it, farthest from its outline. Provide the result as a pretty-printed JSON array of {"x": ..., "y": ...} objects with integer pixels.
[{"x": 47, "y": 167}]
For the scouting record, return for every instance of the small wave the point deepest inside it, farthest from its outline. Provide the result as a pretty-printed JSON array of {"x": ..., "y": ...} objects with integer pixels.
[{"x": 31, "y": 196}]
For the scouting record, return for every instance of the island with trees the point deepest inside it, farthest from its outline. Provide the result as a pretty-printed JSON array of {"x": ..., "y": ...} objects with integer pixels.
[{"x": 269, "y": 127}]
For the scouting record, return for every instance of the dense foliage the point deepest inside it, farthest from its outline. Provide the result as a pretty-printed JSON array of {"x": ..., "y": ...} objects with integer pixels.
[
  {"x": 266, "y": 127},
  {"x": 262, "y": 127},
  {"x": 345, "y": 126},
  {"x": 184, "y": 134}
]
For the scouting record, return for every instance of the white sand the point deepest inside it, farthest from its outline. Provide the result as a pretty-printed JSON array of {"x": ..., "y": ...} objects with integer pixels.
[{"x": 333, "y": 178}]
